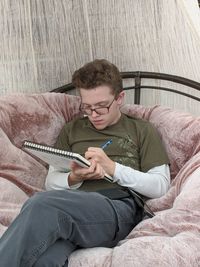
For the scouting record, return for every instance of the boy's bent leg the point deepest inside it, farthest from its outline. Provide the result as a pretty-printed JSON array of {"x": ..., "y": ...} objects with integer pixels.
[{"x": 85, "y": 219}]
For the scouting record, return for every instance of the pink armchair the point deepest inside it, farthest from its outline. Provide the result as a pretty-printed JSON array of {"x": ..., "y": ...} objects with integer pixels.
[{"x": 171, "y": 238}]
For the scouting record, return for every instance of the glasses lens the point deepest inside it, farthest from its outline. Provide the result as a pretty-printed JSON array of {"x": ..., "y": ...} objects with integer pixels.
[
  {"x": 86, "y": 111},
  {"x": 100, "y": 111}
]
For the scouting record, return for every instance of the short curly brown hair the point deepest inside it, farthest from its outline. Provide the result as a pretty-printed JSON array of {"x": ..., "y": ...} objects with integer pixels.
[{"x": 96, "y": 73}]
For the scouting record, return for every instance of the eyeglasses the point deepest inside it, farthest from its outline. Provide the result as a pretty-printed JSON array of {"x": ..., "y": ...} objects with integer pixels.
[{"x": 99, "y": 111}]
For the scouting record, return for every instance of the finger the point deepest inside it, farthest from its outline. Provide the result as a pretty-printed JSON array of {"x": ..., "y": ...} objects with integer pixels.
[
  {"x": 74, "y": 164},
  {"x": 92, "y": 148},
  {"x": 89, "y": 154},
  {"x": 99, "y": 172},
  {"x": 88, "y": 171},
  {"x": 95, "y": 150}
]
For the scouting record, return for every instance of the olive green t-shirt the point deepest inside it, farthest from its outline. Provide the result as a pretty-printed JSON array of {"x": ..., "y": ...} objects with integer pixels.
[{"x": 135, "y": 143}]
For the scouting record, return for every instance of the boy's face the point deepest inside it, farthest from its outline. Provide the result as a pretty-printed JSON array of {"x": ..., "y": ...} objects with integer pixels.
[{"x": 99, "y": 97}]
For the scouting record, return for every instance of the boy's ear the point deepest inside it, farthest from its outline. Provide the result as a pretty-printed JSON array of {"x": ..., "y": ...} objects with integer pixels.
[{"x": 120, "y": 98}]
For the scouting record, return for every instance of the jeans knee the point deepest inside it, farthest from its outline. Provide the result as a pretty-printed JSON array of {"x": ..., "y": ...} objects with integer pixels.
[{"x": 37, "y": 201}]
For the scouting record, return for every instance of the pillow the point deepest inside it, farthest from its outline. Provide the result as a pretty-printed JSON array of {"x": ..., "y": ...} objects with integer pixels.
[
  {"x": 180, "y": 133},
  {"x": 32, "y": 116},
  {"x": 35, "y": 117}
]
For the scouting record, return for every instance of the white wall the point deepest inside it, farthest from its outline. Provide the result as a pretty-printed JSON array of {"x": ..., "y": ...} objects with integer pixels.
[{"x": 44, "y": 41}]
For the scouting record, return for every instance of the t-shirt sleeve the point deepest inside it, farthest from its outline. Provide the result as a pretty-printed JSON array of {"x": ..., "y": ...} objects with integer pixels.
[
  {"x": 152, "y": 150},
  {"x": 63, "y": 138}
]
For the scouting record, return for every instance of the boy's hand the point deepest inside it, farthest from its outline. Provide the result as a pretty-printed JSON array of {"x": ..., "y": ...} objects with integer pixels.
[{"x": 97, "y": 154}]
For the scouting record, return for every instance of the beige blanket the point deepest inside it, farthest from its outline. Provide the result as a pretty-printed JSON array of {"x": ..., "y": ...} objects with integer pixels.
[{"x": 171, "y": 238}]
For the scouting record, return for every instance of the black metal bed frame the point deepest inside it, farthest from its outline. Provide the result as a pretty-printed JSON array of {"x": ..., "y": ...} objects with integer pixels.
[{"x": 137, "y": 76}]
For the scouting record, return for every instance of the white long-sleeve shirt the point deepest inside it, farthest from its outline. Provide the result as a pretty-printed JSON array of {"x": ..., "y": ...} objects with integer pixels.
[{"x": 152, "y": 184}]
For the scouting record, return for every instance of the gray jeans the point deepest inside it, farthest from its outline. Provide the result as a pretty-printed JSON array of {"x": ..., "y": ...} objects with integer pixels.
[{"x": 53, "y": 224}]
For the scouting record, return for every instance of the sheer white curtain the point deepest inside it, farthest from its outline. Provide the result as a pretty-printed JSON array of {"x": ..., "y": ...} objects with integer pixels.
[{"x": 43, "y": 42}]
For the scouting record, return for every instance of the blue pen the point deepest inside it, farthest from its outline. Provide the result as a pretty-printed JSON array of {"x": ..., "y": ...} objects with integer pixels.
[{"x": 107, "y": 143}]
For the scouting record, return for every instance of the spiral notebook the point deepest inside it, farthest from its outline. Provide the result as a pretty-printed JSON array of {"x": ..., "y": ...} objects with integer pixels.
[{"x": 57, "y": 157}]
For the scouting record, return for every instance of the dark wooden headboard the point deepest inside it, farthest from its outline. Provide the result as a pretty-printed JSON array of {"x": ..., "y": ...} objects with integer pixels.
[{"x": 138, "y": 76}]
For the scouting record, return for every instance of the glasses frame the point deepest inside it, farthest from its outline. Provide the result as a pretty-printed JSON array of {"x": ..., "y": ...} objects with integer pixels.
[{"x": 83, "y": 110}]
